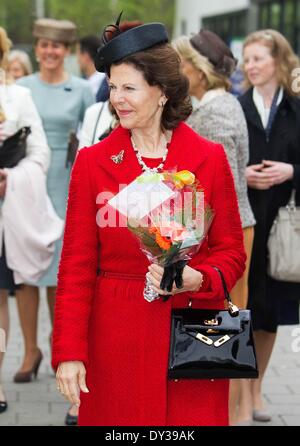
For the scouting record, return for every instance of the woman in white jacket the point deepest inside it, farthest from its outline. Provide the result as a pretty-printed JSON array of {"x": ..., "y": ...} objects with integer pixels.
[
  {"x": 97, "y": 122},
  {"x": 17, "y": 110}
]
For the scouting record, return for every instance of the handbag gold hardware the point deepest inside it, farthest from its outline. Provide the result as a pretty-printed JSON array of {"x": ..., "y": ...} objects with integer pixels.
[
  {"x": 233, "y": 309},
  {"x": 221, "y": 341},
  {"x": 211, "y": 322},
  {"x": 204, "y": 339}
]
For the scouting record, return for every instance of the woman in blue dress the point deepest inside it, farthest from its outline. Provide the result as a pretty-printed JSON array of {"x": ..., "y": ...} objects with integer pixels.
[{"x": 61, "y": 100}]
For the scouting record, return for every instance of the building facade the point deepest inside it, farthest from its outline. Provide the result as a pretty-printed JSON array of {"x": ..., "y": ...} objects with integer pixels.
[{"x": 234, "y": 19}]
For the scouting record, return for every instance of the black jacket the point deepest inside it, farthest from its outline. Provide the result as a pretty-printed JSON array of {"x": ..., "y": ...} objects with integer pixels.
[{"x": 283, "y": 145}]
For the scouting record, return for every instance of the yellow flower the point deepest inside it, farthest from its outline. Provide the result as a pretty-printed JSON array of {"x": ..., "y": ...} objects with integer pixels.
[{"x": 183, "y": 178}]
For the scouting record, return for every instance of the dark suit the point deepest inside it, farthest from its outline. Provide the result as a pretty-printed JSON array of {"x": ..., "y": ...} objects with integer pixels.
[{"x": 269, "y": 300}]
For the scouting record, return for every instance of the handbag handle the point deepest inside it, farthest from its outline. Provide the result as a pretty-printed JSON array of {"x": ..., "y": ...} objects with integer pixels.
[{"x": 233, "y": 309}]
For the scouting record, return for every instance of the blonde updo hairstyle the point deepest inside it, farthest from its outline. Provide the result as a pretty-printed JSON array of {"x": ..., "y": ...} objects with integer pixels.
[
  {"x": 186, "y": 51},
  {"x": 281, "y": 51}
]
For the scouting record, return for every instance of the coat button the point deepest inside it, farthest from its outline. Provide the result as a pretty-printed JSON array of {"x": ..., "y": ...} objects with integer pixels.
[{"x": 176, "y": 380}]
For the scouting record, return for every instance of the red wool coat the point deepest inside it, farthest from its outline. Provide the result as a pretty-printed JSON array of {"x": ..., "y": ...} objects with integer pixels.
[{"x": 105, "y": 321}]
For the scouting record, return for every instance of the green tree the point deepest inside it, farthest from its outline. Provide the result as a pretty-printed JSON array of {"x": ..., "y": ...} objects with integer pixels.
[
  {"x": 90, "y": 17},
  {"x": 17, "y": 16},
  {"x": 93, "y": 16},
  {"x": 148, "y": 11}
]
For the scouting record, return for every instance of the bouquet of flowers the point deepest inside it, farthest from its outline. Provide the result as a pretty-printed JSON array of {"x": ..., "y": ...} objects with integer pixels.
[{"x": 167, "y": 213}]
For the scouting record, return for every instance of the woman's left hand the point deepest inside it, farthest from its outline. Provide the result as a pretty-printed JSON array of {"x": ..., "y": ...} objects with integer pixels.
[
  {"x": 192, "y": 279},
  {"x": 281, "y": 172},
  {"x": 3, "y": 176}
]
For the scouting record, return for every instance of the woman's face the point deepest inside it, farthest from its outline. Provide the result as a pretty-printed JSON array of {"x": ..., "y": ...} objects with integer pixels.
[
  {"x": 259, "y": 65},
  {"x": 135, "y": 101},
  {"x": 51, "y": 54},
  {"x": 194, "y": 76},
  {"x": 16, "y": 69}
]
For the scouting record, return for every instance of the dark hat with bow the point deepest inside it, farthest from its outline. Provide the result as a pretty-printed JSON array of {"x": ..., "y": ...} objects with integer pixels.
[
  {"x": 118, "y": 44},
  {"x": 210, "y": 45}
]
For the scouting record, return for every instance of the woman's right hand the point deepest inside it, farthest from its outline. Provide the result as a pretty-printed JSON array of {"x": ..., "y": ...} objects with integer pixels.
[
  {"x": 70, "y": 378},
  {"x": 258, "y": 179}
]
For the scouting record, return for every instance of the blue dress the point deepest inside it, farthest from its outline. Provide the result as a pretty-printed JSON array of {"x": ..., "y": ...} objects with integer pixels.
[{"x": 61, "y": 108}]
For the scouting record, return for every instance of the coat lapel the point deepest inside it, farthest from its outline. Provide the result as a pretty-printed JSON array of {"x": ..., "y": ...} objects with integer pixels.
[
  {"x": 250, "y": 110},
  {"x": 128, "y": 169}
]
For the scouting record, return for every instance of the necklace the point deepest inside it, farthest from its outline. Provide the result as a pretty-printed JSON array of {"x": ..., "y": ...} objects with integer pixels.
[{"x": 143, "y": 165}]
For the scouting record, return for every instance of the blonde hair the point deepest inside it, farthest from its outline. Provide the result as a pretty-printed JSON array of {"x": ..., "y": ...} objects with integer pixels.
[
  {"x": 281, "y": 51},
  {"x": 214, "y": 79},
  {"x": 23, "y": 58},
  {"x": 5, "y": 45}
]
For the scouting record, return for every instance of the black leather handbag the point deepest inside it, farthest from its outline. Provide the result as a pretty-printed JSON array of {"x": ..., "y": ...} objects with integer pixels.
[
  {"x": 212, "y": 344},
  {"x": 73, "y": 145},
  {"x": 13, "y": 149}
]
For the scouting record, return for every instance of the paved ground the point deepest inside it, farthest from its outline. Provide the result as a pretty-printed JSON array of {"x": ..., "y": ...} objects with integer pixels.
[{"x": 39, "y": 404}]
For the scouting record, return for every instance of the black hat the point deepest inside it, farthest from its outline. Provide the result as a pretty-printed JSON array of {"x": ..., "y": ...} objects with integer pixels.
[
  {"x": 129, "y": 42},
  {"x": 210, "y": 45}
]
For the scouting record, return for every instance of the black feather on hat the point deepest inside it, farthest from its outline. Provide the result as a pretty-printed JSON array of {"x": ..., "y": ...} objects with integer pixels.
[{"x": 118, "y": 44}]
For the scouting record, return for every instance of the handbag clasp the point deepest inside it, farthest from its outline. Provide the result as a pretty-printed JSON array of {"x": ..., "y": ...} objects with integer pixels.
[{"x": 213, "y": 322}]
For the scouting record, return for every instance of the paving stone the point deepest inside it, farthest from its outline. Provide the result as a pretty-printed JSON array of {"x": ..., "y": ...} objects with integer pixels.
[
  {"x": 39, "y": 404},
  {"x": 291, "y": 420},
  {"x": 293, "y": 372},
  {"x": 278, "y": 390},
  {"x": 284, "y": 409},
  {"x": 284, "y": 399},
  {"x": 38, "y": 397}
]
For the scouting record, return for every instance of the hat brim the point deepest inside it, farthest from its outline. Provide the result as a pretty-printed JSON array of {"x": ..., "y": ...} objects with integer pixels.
[{"x": 130, "y": 42}]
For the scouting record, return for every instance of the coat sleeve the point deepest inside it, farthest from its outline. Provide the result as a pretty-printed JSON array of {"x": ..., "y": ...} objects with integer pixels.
[
  {"x": 219, "y": 127},
  {"x": 225, "y": 237},
  {"x": 296, "y": 177},
  {"x": 77, "y": 270},
  {"x": 88, "y": 99},
  {"x": 37, "y": 147},
  {"x": 86, "y": 132}
]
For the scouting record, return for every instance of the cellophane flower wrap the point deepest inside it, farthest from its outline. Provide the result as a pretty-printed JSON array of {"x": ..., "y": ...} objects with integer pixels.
[{"x": 172, "y": 233}]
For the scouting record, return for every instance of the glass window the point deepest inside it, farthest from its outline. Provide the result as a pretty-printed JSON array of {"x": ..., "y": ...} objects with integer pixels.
[
  {"x": 227, "y": 26},
  {"x": 282, "y": 15},
  {"x": 275, "y": 13},
  {"x": 264, "y": 16},
  {"x": 288, "y": 28}
]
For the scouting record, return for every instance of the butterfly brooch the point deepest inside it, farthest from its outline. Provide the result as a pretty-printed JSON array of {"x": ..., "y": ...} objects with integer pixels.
[{"x": 117, "y": 159}]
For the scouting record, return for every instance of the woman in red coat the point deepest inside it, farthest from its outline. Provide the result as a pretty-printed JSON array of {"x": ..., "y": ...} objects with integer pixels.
[{"x": 111, "y": 346}]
